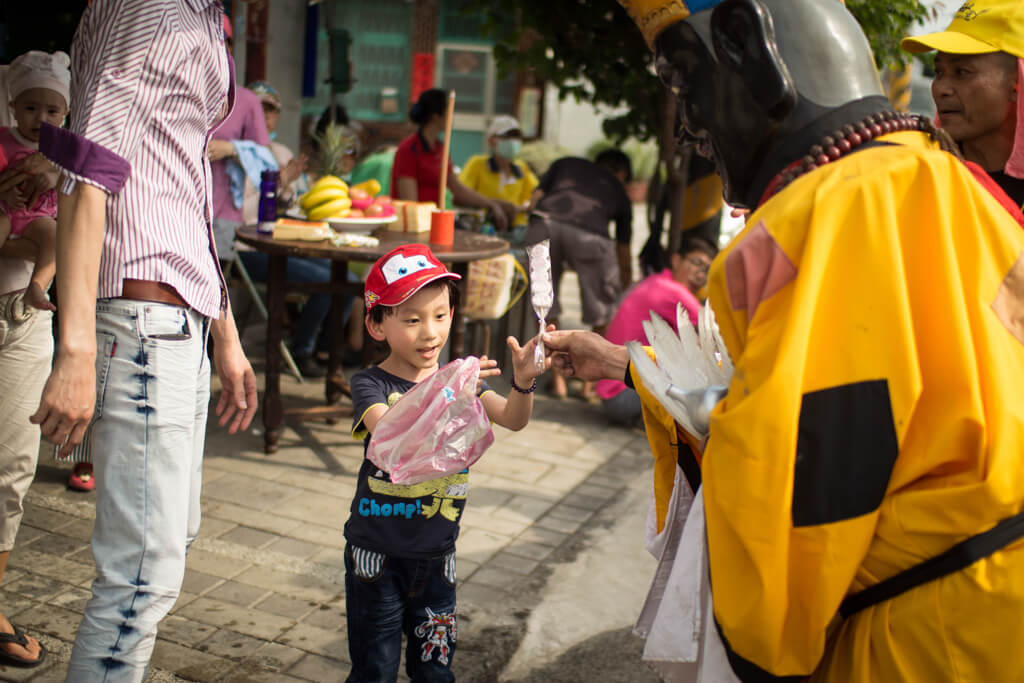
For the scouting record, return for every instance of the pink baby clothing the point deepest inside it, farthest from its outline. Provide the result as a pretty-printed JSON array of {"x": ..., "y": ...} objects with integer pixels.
[{"x": 15, "y": 148}]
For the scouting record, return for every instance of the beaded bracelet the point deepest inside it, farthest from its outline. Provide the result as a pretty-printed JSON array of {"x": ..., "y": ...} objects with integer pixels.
[{"x": 533, "y": 387}]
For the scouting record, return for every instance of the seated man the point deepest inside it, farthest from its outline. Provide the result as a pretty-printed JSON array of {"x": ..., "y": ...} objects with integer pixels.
[
  {"x": 659, "y": 293},
  {"x": 499, "y": 175}
]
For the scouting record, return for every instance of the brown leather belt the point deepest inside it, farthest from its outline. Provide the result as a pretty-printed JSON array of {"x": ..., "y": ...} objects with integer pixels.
[{"x": 150, "y": 290}]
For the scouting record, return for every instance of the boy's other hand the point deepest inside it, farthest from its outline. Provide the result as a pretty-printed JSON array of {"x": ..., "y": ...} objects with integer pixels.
[{"x": 488, "y": 368}]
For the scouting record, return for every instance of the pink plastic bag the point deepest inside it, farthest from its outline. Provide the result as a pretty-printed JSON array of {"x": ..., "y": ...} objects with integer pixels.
[{"x": 437, "y": 428}]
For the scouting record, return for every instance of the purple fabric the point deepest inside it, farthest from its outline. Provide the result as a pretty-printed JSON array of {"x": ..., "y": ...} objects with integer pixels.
[
  {"x": 84, "y": 158},
  {"x": 246, "y": 122}
]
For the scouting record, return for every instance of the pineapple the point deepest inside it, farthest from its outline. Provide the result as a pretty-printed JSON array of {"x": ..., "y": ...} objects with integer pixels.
[{"x": 336, "y": 150}]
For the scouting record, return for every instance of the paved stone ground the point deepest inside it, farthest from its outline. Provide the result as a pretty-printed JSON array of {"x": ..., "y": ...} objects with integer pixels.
[{"x": 263, "y": 596}]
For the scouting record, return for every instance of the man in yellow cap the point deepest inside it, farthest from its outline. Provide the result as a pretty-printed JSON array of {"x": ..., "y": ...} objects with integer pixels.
[
  {"x": 861, "y": 477},
  {"x": 978, "y": 77}
]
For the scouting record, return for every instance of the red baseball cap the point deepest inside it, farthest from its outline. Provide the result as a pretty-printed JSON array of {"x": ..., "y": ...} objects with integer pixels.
[{"x": 402, "y": 272}]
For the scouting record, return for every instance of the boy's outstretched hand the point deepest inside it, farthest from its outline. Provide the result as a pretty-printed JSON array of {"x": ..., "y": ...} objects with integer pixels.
[{"x": 524, "y": 368}]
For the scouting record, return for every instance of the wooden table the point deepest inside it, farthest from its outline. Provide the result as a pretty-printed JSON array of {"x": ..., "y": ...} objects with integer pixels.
[{"x": 467, "y": 247}]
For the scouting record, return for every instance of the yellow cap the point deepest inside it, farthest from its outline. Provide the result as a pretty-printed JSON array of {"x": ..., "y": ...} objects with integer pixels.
[
  {"x": 654, "y": 16},
  {"x": 980, "y": 26}
]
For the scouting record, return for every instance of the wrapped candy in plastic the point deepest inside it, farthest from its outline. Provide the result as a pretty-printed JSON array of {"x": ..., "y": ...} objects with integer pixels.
[
  {"x": 439, "y": 427},
  {"x": 542, "y": 291}
]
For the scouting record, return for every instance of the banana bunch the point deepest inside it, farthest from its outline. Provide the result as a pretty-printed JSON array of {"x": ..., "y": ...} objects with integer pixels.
[{"x": 328, "y": 198}]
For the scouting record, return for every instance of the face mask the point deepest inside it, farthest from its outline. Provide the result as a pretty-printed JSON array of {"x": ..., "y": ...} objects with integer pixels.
[
  {"x": 509, "y": 148},
  {"x": 440, "y": 136},
  {"x": 273, "y": 135}
]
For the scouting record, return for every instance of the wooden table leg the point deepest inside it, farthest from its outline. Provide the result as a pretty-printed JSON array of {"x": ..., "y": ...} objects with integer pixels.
[
  {"x": 459, "y": 322},
  {"x": 336, "y": 385},
  {"x": 277, "y": 271}
]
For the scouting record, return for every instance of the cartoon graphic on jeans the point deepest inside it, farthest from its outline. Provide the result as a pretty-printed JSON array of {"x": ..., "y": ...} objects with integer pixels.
[{"x": 436, "y": 630}]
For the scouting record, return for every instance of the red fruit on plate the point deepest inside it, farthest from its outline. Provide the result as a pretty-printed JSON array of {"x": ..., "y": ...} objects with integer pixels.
[
  {"x": 373, "y": 210},
  {"x": 387, "y": 210},
  {"x": 362, "y": 204},
  {"x": 355, "y": 193},
  {"x": 355, "y": 213}
]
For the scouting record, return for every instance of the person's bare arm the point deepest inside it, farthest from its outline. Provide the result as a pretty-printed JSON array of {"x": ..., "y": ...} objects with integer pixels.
[
  {"x": 23, "y": 249},
  {"x": 220, "y": 149},
  {"x": 407, "y": 189},
  {"x": 238, "y": 396},
  {"x": 464, "y": 196},
  {"x": 534, "y": 198},
  {"x": 586, "y": 355},
  {"x": 373, "y": 415},
  {"x": 625, "y": 259},
  {"x": 69, "y": 395},
  {"x": 514, "y": 412},
  {"x": 40, "y": 183},
  {"x": 16, "y": 174}
]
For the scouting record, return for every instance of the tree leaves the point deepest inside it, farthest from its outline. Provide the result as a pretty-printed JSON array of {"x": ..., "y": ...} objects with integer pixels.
[{"x": 593, "y": 52}]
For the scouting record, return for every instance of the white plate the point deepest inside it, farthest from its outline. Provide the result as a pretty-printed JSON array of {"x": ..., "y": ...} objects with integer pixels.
[{"x": 365, "y": 224}]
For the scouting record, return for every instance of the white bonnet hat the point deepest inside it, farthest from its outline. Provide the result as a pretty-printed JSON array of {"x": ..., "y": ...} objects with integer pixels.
[{"x": 37, "y": 69}]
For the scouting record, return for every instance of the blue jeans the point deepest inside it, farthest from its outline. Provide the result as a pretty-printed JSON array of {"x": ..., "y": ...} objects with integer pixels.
[
  {"x": 386, "y": 596},
  {"x": 146, "y": 443},
  {"x": 317, "y": 306}
]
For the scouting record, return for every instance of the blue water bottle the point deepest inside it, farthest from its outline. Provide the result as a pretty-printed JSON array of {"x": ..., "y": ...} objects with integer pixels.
[{"x": 267, "y": 212}]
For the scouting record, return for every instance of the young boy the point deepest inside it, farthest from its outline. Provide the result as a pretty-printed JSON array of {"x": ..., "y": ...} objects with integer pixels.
[
  {"x": 400, "y": 570},
  {"x": 39, "y": 85}
]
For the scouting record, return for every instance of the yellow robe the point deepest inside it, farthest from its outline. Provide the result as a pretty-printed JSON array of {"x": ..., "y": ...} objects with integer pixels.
[{"x": 875, "y": 313}]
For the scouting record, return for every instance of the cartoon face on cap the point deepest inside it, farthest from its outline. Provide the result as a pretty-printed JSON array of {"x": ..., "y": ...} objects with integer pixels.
[
  {"x": 401, "y": 273},
  {"x": 400, "y": 266}
]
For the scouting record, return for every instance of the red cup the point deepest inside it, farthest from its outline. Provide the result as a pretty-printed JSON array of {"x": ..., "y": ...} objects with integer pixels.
[{"x": 442, "y": 227}]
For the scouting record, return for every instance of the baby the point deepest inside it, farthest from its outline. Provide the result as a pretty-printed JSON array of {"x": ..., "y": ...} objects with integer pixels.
[{"x": 39, "y": 85}]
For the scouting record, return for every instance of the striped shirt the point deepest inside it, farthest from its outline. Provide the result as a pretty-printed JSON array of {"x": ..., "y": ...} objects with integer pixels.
[{"x": 150, "y": 80}]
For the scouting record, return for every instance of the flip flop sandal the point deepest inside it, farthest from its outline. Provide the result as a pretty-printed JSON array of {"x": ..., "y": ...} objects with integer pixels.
[
  {"x": 19, "y": 638},
  {"x": 79, "y": 482}
]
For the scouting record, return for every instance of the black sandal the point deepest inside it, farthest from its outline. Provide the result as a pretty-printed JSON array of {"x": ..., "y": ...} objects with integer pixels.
[{"x": 19, "y": 638}]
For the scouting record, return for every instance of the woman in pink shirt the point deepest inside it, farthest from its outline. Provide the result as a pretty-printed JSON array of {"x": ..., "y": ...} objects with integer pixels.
[{"x": 658, "y": 293}]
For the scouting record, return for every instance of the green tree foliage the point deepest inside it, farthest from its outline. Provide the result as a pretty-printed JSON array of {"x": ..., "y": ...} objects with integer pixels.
[
  {"x": 886, "y": 22},
  {"x": 592, "y": 51}
]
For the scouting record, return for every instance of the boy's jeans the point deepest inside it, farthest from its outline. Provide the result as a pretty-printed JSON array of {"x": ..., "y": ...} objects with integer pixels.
[
  {"x": 385, "y": 596},
  {"x": 146, "y": 444}
]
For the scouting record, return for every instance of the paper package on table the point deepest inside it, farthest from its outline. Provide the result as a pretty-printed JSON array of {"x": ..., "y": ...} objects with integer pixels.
[
  {"x": 412, "y": 216},
  {"x": 437, "y": 428}
]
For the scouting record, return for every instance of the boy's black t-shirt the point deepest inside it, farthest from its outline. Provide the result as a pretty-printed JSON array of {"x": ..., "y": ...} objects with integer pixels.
[{"x": 412, "y": 521}]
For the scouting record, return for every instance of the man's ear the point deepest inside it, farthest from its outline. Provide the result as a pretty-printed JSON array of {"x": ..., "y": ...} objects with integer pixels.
[
  {"x": 374, "y": 329},
  {"x": 744, "y": 41}
]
